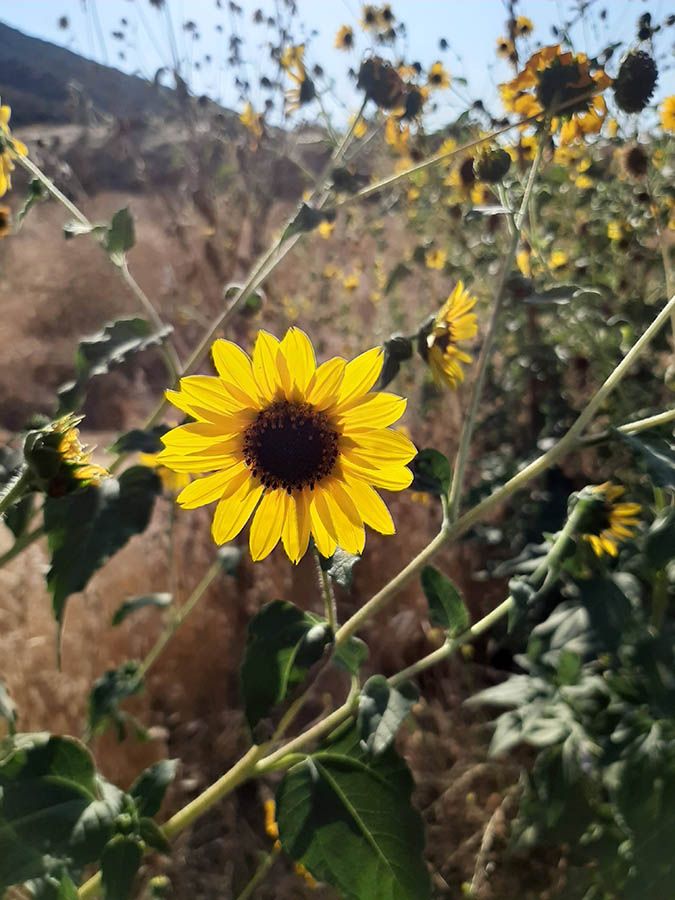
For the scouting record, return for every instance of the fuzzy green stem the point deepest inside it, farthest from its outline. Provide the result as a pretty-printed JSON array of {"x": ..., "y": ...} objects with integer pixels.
[
  {"x": 15, "y": 489},
  {"x": 466, "y": 436},
  {"x": 329, "y": 604}
]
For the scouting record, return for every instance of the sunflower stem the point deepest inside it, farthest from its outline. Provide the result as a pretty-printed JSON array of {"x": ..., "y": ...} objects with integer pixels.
[
  {"x": 466, "y": 436},
  {"x": 327, "y": 592},
  {"x": 169, "y": 353},
  {"x": 15, "y": 490}
]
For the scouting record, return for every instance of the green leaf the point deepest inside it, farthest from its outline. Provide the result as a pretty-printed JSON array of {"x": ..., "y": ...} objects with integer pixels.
[
  {"x": 447, "y": 609},
  {"x": 569, "y": 667},
  {"x": 133, "y": 604},
  {"x": 660, "y": 540},
  {"x": 397, "y": 349},
  {"x": 86, "y": 528},
  {"x": 36, "y": 193},
  {"x": 340, "y": 567},
  {"x": 7, "y": 708},
  {"x": 139, "y": 441},
  {"x": 283, "y": 643},
  {"x": 75, "y": 228},
  {"x": 53, "y": 806},
  {"x": 307, "y": 219},
  {"x": 382, "y": 710},
  {"x": 120, "y": 863},
  {"x": 120, "y": 236},
  {"x": 53, "y": 888},
  {"x": 432, "y": 473},
  {"x": 151, "y": 785},
  {"x": 351, "y": 655},
  {"x": 153, "y": 836},
  {"x": 347, "y": 817},
  {"x": 398, "y": 273},
  {"x": 97, "y": 354},
  {"x": 19, "y": 516},
  {"x": 657, "y": 457},
  {"x": 106, "y": 695}
]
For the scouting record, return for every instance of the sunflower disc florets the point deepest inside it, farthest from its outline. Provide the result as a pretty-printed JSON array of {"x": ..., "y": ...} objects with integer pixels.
[
  {"x": 635, "y": 83},
  {"x": 491, "y": 165}
]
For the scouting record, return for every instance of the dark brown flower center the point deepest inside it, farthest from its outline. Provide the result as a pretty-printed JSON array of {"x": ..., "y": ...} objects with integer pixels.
[
  {"x": 563, "y": 84},
  {"x": 290, "y": 446}
]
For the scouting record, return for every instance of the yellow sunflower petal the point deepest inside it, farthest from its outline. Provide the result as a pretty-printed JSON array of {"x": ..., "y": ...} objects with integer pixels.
[
  {"x": 383, "y": 446},
  {"x": 347, "y": 522},
  {"x": 234, "y": 366},
  {"x": 296, "y": 526},
  {"x": 326, "y": 383},
  {"x": 235, "y": 509},
  {"x": 371, "y": 506},
  {"x": 265, "y": 369},
  {"x": 267, "y": 524},
  {"x": 299, "y": 354},
  {"x": 209, "y": 488},
  {"x": 392, "y": 478},
  {"x": 609, "y": 546},
  {"x": 206, "y": 461},
  {"x": 324, "y": 540},
  {"x": 196, "y": 436},
  {"x": 373, "y": 411},
  {"x": 360, "y": 375}
]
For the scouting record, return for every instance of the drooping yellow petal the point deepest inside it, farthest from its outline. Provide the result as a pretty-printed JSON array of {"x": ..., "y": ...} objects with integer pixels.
[
  {"x": 267, "y": 524},
  {"x": 360, "y": 375},
  {"x": 234, "y": 510},
  {"x": 299, "y": 354},
  {"x": 372, "y": 411},
  {"x": 296, "y": 527},
  {"x": 209, "y": 488},
  {"x": 347, "y": 524}
]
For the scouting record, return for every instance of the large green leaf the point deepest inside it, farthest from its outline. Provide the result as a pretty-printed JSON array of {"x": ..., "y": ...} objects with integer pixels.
[
  {"x": 447, "y": 609},
  {"x": 109, "y": 347},
  {"x": 53, "y": 806},
  {"x": 106, "y": 695},
  {"x": 120, "y": 863},
  {"x": 432, "y": 472},
  {"x": 657, "y": 457},
  {"x": 283, "y": 643},
  {"x": 150, "y": 787},
  {"x": 348, "y": 818},
  {"x": 89, "y": 526},
  {"x": 382, "y": 710}
]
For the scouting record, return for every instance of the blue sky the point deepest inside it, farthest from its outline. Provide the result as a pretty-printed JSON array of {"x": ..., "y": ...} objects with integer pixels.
[{"x": 471, "y": 29}]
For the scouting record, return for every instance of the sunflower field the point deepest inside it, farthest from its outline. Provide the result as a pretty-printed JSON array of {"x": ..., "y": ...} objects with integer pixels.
[{"x": 337, "y": 476}]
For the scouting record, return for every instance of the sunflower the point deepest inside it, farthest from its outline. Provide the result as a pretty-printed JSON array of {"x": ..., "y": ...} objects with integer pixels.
[
  {"x": 551, "y": 79},
  {"x": 298, "y": 447},
  {"x": 59, "y": 462},
  {"x": 370, "y": 17},
  {"x": 9, "y": 148},
  {"x": 455, "y": 322},
  {"x": 523, "y": 26},
  {"x": 344, "y": 39},
  {"x": 435, "y": 259},
  {"x": 608, "y": 522},
  {"x": 438, "y": 77},
  {"x": 5, "y": 221},
  {"x": 667, "y": 114}
]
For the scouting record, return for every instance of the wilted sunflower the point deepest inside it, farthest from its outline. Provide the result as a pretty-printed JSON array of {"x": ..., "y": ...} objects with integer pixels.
[
  {"x": 455, "y": 322},
  {"x": 9, "y": 147},
  {"x": 438, "y": 76},
  {"x": 58, "y": 460},
  {"x": 344, "y": 39},
  {"x": 292, "y": 60},
  {"x": 608, "y": 523},
  {"x": 298, "y": 447},
  {"x": 551, "y": 79}
]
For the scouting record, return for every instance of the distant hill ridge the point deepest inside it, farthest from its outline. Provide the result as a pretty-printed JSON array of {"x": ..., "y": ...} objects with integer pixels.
[{"x": 36, "y": 80}]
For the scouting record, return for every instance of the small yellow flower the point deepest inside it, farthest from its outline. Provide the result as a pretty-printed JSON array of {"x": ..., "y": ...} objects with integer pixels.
[
  {"x": 360, "y": 128},
  {"x": 326, "y": 229},
  {"x": 505, "y": 48},
  {"x": 524, "y": 262},
  {"x": 583, "y": 182},
  {"x": 252, "y": 121},
  {"x": 370, "y": 17},
  {"x": 344, "y": 39},
  {"x": 330, "y": 272},
  {"x": 614, "y": 230},
  {"x": 351, "y": 282},
  {"x": 667, "y": 114},
  {"x": 455, "y": 322},
  {"x": 396, "y": 135},
  {"x": 612, "y": 128},
  {"x": 172, "y": 482},
  {"x": 558, "y": 259},
  {"x": 609, "y": 522},
  {"x": 438, "y": 76},
  {"x": 523, "y": 26},
  {"x": 435, "y": 259},
  {"x": 298, "y": 447},
  {"x": 10, "y": 147}
]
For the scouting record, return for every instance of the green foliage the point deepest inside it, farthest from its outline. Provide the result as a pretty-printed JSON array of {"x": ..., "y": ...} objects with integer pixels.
[
  {"x": 397, "y": 349},
  {"x": 659, "y": 541},
  {"x": 140, "y": 441},
  {"x": 307, "y": 219},
  {"x": 657, "y": 457},
  {"x": 351, "y": 654},
  {"x": 283, "y": 643},
  {"x": 432, "y": 473},
  {"x": 120, "y": 863},
  {"x": 340, "y": 567},
  {"x": 105, "y": 697},
  {"x": 55, "y": 810},
  {"x": 447, "y": 609},
  {"x": 86, "y": 528},
  {"x": 382, "y": 710},
  {"x": 151, "y": 785},
  {"x": 111, "y": 346},
  {"x": 120, "y": 236},
  {"x": 347, "y": 817},
  {"x": 36, "y": 193},
  {"x": 133, "y": 604}
]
